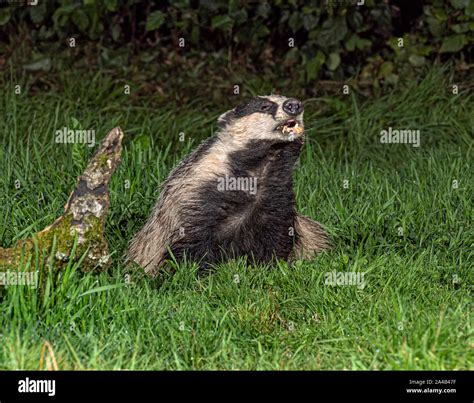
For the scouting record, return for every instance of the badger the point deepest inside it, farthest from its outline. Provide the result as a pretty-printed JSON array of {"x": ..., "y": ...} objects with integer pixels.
[{"x": 233, "y": 196}]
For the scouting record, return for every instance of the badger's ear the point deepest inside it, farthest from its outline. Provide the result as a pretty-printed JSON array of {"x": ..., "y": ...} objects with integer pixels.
[{"x": 225, "y": 119}]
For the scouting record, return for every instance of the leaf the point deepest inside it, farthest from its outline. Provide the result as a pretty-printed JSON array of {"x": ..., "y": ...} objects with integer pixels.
[
  {"x": 116, "y": 31},
  {"x": 61, "y": 15},
  {"x": 470, "y": 9},
  {"x": 38, "y": 13},
  {"x": 363, "y": 43},
  {"x": 460, "y": 28},
  {"x": 333, "y": 31},
  {"x": 111, "y": 5},
  {"x": 313, "y": 66},
  {"x": 436, "y": 27},
  {"x": 440, "y": 14},
  {"x": 310, "y": 22},
  {"x": 223, "y": 22},
  {"x": 333, "y": 62},
  {"x": 392, "y": 79},
  {"x": 212, "y": 5},
  {"x": 148, "y": 57},
  {"x": 453, "y": 43},
  {"x": 41, "y": 64},
  {"x": 294, "y": 22},
  {"x": 263, "y": 10},
  {"x": 460, "y": 4},
  {"x": 355, "y": 20},
  {"x": 154, "y": 20},
  {"x": 261, "y": 31},
  {"x": 232, "y": 5},
  {"x": 80, "y": 20},
  {"x": 351, "y": 43},
  {"x": 239, "y": 17},
  {"x": 4, "y": 16},
  {"x": 386, "y": 68},
  {"x": 416, "y": 61},
  {"x": 356, "y": 41}
]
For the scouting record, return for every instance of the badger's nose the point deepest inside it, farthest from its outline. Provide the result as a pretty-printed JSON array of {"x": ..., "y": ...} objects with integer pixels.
[{"x": 293, "y": 107}]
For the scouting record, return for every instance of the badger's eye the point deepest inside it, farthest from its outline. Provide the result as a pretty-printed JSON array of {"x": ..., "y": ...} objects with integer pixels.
[{"x": 265, "y": 107}]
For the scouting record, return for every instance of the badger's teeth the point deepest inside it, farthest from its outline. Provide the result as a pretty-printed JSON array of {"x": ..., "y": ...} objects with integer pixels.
[{"x": 298, "y": 129}]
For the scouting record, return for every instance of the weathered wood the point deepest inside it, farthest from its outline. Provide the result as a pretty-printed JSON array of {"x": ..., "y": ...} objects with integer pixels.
[{"x": 83, "y": 220}]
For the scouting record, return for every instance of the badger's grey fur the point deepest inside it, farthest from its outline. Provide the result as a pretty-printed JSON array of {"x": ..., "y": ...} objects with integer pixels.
[{"x": 194, "y": 217}]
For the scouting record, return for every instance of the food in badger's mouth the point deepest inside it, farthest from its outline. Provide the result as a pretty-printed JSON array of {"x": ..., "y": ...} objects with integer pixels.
[{"x": 291, "y": 126}]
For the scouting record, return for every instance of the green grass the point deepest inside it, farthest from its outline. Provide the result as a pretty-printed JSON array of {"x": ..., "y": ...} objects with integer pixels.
[{"x": 415, "y": 311}]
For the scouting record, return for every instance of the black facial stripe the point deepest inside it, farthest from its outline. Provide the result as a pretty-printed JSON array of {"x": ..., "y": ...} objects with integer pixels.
[{"x": 256, "y": 105}]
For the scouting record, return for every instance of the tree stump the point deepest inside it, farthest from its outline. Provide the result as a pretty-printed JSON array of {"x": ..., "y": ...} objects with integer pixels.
[{"x": 80, "y": 230}]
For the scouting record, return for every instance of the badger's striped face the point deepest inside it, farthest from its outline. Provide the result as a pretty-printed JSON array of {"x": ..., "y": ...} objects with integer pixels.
[{"x": 271, "y": 117}]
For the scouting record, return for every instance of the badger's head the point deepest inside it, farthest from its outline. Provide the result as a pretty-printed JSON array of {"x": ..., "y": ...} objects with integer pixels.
[{"x": 271, "y": 117}]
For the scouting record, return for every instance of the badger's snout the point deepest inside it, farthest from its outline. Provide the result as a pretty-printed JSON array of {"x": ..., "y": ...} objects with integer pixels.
[{"x": 293, "y": 107}]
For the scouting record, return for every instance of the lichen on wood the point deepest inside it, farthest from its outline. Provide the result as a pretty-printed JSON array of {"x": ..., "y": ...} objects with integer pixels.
[{"x": 83, "y": 221}]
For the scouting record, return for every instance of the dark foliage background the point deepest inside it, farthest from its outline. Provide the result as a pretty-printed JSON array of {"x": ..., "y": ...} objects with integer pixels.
[{"x": 240, "y": 41}]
